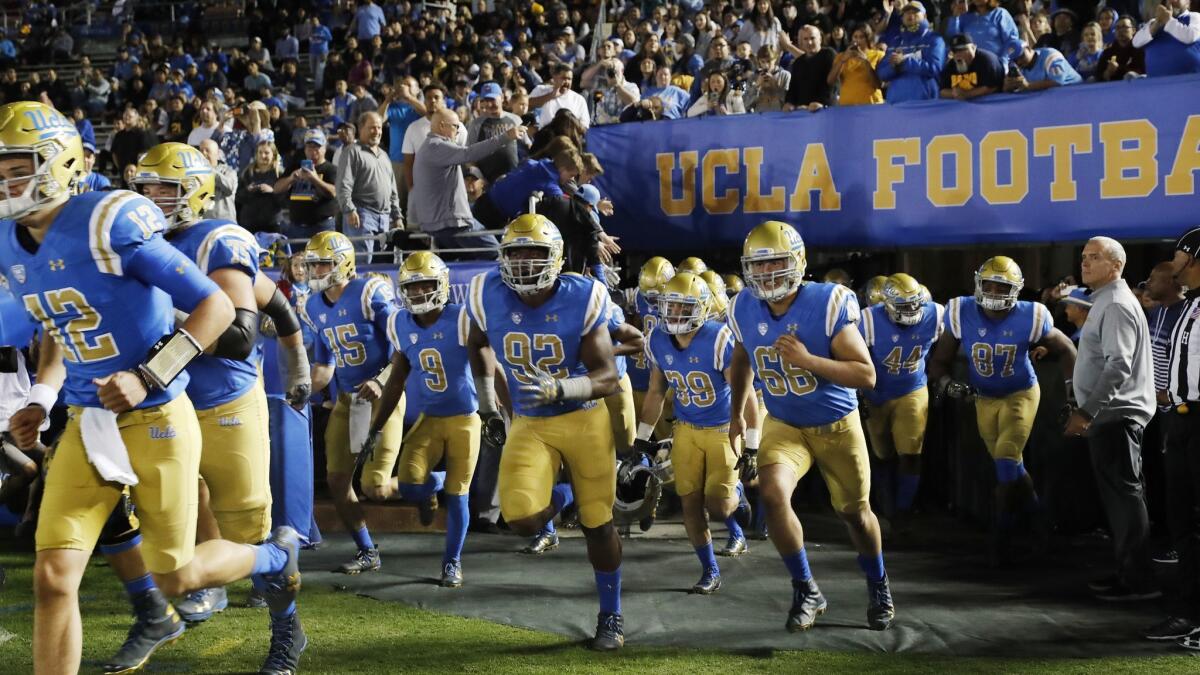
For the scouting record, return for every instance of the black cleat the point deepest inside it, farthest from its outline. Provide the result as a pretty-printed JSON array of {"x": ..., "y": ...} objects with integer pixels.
[
  {"x": 427, "y": 510},
  {"x": 807, "y": 605},
  {"x": 288, "y": 641},
  {"x": 451, "y": 575},
  {"x": 1171, "y": 628},
  {"x": 366, "y": 560},
  {"x": 880, "y": 610},
  {"x": 709, "y": 583},
  {"x": 610, "y": 633},
  {"x": 734, "y": 547},
  {"x": 541, "y": 543},
  {"x": 157, "y": 624}
]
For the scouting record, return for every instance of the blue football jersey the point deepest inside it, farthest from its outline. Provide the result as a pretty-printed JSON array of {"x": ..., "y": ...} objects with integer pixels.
[
  {"x": 792, "y": 394},
  {"x": 440, "y": 382},
  {"x": 899, "y": 352},
  {"x": 352, "y": 332},
  {"x": 214, "y": 245},
  {"x": 616, "y": 317},
  {"x": 547, "y": 336},
  {"x": 639, "y": 364},
  {"x": 697, "y": 373},
  {"x": 103, "y": 283},
  {"x": 998, "y": 351}
]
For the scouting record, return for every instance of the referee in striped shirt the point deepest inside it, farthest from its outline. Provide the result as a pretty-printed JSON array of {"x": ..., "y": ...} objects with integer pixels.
[{"x": 1183, "y": 437}]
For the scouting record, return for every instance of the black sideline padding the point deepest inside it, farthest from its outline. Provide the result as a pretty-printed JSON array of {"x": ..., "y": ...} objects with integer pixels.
[{"x": 948, "y": 602}]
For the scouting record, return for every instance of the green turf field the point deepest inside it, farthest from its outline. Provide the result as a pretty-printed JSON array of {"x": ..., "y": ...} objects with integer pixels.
[{"x": 351, "y": 634}]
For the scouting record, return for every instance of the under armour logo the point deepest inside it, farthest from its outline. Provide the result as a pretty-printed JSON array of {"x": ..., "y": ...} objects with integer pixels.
[
  {"x": 439, "y": 336},
  {"x": 551, "y": 317},
  {"x": 179, "y": 270},
  {"x": 793, "y": 327},
  {"x": 1007, "y": 333},
  {"x": 693, "y": 359},
  {"x": 342, "y": 312},
  {"x": 57, "y": 265}
]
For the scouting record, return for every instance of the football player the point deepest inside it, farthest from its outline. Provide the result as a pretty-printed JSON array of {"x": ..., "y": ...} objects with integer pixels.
[
  {"x": 227, "y": 393},
  {"x": 654, "y": 273},
  {"x": 692, "y": 264},
  {"x": 627, "y": 340},
  {"x": 350, "y": 316},
  {"x": 872, "y": 293},
  {"x": 690, "y": 353},
  {"x": 429, "y": 339},
  {"x": 801, "y": 341},
  {"x": 551, "y": 338},
  {"x": 899, "y": 334},
  {"x": 741, "y": 516},
  {"x": 81, "y": 284},
  {"x": 733, "y": 285},
  {"x": 996, "y": 332}
]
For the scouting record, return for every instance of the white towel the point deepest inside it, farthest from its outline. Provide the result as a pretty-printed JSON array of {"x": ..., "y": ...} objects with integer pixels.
[
  {"x": 360, "y": 423},
  {"x": 104, "y": 446}
]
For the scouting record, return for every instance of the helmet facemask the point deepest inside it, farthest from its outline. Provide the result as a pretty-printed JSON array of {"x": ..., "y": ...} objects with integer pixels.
[
  {"x": 528, "y": 267},
  {"x": 16, "y": 203},
  {"x": 905, "y": 311},
  {"x": 318, "y": 281},
  {"x": 767, "y": 279},
  {"x": 422, "y": 294},
  {"x": 680, "y": 314},
  {"x": 176, "y": 208},
  {"x": 996, "y": 301}
]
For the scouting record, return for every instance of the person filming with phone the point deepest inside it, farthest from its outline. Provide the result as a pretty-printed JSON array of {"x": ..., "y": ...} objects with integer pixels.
[{"x": 309, "y": 186}]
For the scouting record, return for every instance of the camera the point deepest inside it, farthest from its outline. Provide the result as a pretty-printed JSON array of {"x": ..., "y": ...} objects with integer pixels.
[
  {"x": 306, "y": 164},
  {"x": 610, "y": 72}
]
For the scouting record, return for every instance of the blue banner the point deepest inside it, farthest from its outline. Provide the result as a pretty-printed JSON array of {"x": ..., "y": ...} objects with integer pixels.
[{"x": 1063, "y": 165}]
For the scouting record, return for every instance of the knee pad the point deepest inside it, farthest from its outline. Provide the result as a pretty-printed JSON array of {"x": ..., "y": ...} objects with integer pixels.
[
  {"x": 121, "y": 531},
  {"x": 1008, "y": 470}
]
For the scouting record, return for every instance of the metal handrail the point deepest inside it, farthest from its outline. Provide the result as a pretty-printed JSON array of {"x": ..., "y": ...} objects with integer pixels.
[{"x": 383, "y": 238}]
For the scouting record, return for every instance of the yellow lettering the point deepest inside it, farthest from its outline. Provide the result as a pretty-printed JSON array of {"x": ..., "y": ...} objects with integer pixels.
[
  {"x": 1129, "y": 171},
  {"x": 1017, "y": 146},
  {"x": 815, "y": 175},
  {"x": 887, "y": 172},
  {"x": 756, "y": 201},
  {"x": 726, "y": 158},
  {"x": 1062, "y": 144},
  {"x": 686, "y": 203},
  {"x": 1187, "y": 160},
  {"x": 935, "y": 162}
]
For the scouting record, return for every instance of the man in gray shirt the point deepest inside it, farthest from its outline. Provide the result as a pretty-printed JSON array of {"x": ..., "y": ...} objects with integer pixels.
[
  {"x": 225, "y": 181},
  {"x": 438, "y": 202},
  {"x": 366, "y": 186},
  {"x": 1114, "y": 387}
]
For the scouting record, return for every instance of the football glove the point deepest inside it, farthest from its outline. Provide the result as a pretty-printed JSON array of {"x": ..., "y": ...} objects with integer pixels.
[
  {"x": 494, "y": 432},
  {"x": 543, "y": 388},
  {"x": 645, "y": 449},
  {"x": 960, "y": 391},
  {"x": 747, "y": 465}
]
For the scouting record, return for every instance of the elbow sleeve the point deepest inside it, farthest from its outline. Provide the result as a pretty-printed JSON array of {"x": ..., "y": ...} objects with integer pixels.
[
  {"x": 237, "y": 342},
  {"x": 282, "y": 315}
]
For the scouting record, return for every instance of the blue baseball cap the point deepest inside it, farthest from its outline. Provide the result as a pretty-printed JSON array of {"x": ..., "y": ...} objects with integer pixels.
[
  {"x": 314, "y": 136},
  {"x": 1079, "y": 296},
  {"x": 589, "y": 193},
  {"x": 506, "y": 46},
  {"x": 491, "y": 90}
]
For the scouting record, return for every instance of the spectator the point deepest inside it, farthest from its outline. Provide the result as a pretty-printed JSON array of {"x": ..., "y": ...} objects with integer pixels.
[
  {"x": 613, "y": 94},
  {"x": 401, "y": 107},
  {"x": 557, "y": 95},
  {"x": 971, "y": 72},
  {"x": 259, "y": 55},
  {"x": 438, "y": 204},
  {"x": 989, "y": 25},
  {"x": 346, "y": 133},
  {"x": 368, "y": 22},
  {"x": 1064, "y": 34},
  {"x": 475, "y": 184},
  {"x": 364, "y": 102},
  {"x": 854, "y": 70},
  {"x": 257, "y": 203},
  {"x": 1114, "y": 387},
  {"x": 254, "y": 82},
  {"x": 289, "y": 86},
  {"x": 672, "y": 99},
  {"x": 98, "y": 91},
  {"x": 310, "y": 186},
  {"x": 176, "y": 120},
  {"x": 225, "y": 182},
  {"x": 214, "y": 77},
  {"x": 717, "y": 99},
  {"x": 92, "y": 181},
  {"x": 913, "y": 65},
  {"x": 493, "y": 121},
  {"x": 1086, "y": 59},
  {"x": 509, "y": 196},
  {"x": 343, "y": 100},
  {"x": 415, "y": 134},
  {"x": 8, "y": 51},
  {"x": 287, "y": 47},
  {"x": 1040, "y": 69},
  {"x": 1171, "y": 39},
  {"x": 761, "y": 28},
  {"x": 809, "y": 88},
  {"x": 366, "y": 187},
  {"x": 318, "y": 52},
  {"x": 1107, "y": 18},
  {"x": 208, "y": 126},
  {"x": 135, "y": 138},
  {"x": 1121, "y": 60},
  {"x": 1077, "y": 304}
]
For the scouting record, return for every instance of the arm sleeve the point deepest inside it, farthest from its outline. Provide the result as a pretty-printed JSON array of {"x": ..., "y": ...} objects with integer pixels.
[
  {"x": 282, "y": 314},
  {"x": 345, "y": 182},
  {"x": 1010, "y": 36},
  {"x": 885, "y": 70},
  {"x": 1187, "y": 34},
  {"x": 157, "y": 263},
  {"x": 842, "y": 309},
  {"x": 933, "y": 59},
  {"x": 1118, "y": 342},
  {"x": 1043, "y": 321},
  {"x": 952, "y": 323},
  {"x": 1143, "y": 36},
  {"x": 383, "y": 305}
]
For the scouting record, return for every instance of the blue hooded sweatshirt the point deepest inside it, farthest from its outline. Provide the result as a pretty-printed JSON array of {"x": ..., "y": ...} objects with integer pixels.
[
  {"x": 995, "y": 31},
  {"x": 916, "y": 78}
]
